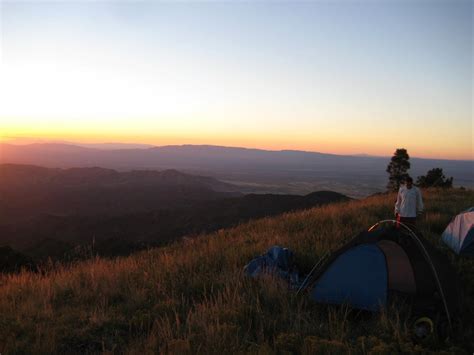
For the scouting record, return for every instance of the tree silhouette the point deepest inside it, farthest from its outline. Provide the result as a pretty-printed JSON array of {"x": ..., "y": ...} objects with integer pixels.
[
  {"x": 397, "y": 169},
  {"x": 434, "y": 178}
]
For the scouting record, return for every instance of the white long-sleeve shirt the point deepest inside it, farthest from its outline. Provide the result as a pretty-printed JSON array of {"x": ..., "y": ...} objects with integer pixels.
[{"x": 409, "y": 202}]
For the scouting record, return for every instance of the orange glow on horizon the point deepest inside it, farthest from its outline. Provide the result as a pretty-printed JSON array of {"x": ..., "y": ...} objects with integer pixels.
[{"x": 304, "y": 142}]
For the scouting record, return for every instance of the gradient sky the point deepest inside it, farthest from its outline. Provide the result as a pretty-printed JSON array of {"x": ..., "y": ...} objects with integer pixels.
[{"x": 330, "y": 76}]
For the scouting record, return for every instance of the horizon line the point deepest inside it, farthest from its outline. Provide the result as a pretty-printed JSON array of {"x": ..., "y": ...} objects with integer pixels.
[{"x": 145, "y": 146}]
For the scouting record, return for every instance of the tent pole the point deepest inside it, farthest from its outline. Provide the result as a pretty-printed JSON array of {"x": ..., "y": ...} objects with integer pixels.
[{"x": 311, "y": 272}]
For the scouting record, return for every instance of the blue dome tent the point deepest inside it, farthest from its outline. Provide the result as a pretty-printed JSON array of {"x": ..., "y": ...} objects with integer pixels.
[{"x": 381, "y": 263}]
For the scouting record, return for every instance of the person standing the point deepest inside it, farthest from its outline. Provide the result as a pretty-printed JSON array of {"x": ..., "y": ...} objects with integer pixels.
[{"x": 409, "y": 203}]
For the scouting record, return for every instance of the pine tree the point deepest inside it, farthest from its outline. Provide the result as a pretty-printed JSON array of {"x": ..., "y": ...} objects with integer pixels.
[{"x": 397, "y": 169}]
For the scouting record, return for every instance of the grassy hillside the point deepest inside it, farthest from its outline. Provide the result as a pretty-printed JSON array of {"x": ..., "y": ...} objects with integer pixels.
[{"x": 191, "y": 297}]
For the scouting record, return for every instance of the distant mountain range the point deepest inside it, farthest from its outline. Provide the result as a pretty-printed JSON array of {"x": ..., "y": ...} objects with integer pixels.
[{"x": 252, "y": 170}]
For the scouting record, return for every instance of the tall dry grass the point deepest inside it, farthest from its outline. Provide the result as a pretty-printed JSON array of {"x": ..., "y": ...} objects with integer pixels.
[{"x": 191, "y": 297}]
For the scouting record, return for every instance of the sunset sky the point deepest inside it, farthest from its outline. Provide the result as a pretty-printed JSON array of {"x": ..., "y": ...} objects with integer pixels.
[{"x": 328, "y": 76}]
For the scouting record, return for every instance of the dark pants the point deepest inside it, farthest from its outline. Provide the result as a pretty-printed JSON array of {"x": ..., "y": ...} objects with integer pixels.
[{"x": 409, "y": 221}]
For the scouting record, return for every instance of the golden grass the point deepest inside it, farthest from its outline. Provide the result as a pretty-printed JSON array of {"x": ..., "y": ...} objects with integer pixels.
[{"x": 191, "y": 297}]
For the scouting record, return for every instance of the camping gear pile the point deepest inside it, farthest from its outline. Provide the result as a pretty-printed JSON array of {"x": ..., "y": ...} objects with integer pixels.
[{"x": 277, "y": 262}]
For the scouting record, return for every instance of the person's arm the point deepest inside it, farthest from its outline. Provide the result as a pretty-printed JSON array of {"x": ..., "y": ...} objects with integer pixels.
[
  {"x": 399, "y": 201},
  {"x": 419, "y": 202}
]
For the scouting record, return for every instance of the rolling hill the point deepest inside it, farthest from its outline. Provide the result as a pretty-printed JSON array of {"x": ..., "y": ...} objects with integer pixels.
[
  {"x": 191, "y": 297},
  {"x": 28, "y": 191},
  {"x": 73, "y": 213}
]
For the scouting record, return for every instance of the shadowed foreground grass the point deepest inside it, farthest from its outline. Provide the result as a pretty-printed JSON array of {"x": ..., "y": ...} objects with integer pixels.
[{"x": 191, "y": 297}]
